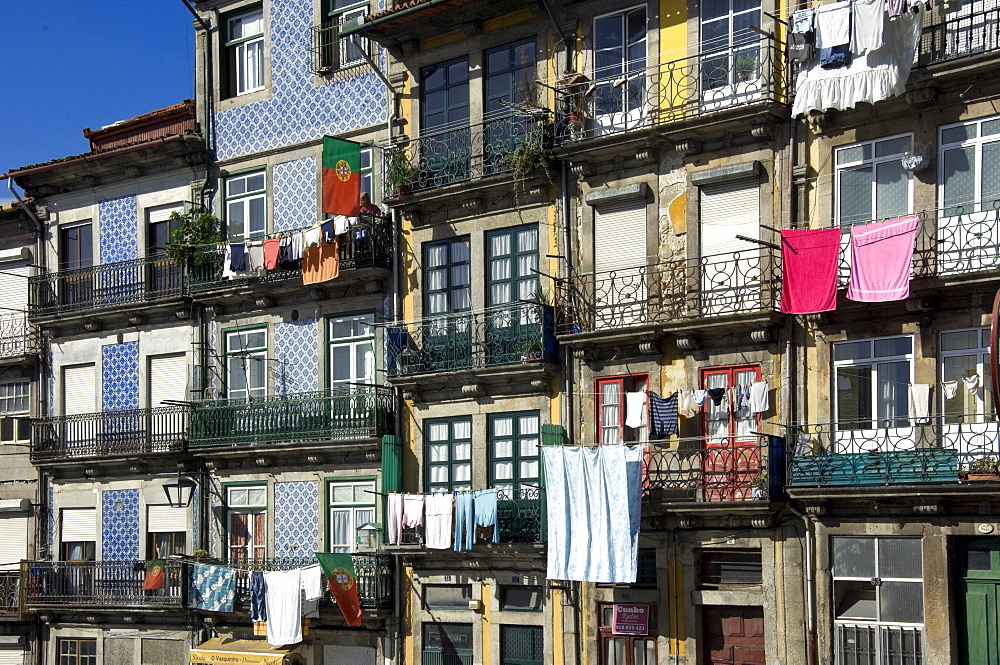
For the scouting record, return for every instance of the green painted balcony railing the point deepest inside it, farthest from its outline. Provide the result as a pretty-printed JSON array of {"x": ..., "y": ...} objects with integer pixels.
[
  {"x": 374, "y": 574},
  {"x": 504, "y": 335},
  {"x": 521, "y": 516},
  {"x": 358, "y": 412},
  {"x": 946, "y": 450}
]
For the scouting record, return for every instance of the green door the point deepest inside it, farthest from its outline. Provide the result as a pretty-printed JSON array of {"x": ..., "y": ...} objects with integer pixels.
[{"x": 979, "y": 641}]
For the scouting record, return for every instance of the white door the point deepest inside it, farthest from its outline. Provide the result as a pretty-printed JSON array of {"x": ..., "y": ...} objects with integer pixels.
[
  {"x": 730, "y": 268},
  {"x": 620, "y": 265}
]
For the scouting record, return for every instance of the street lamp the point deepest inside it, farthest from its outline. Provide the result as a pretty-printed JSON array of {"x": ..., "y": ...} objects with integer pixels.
[{"x": 179, "y": 491}]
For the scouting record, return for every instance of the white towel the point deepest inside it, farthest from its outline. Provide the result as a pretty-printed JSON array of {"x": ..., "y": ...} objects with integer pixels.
[
  {"x": 972, "y": 383},
  {"x": 833, "y": 24},
  {"x": 920, "y": 403},
  {"x": 413, "y": 510},
  {"x": 284, "y": 606},
  {"x": 869, "y": 19},
  {"x": 437, "y": 530},
  {"x": 341, "y": 224},
  {"x": 758, "y": 397},
  {"x": 312, "y": 582},
  {"x": 394, "y": 517},
  {"x": 635, "y": 404},
  {"x": 685, "y": 404}
]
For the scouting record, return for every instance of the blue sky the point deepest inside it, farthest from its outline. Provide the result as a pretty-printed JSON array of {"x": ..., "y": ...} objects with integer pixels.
[{"x": 69, "y": 65}]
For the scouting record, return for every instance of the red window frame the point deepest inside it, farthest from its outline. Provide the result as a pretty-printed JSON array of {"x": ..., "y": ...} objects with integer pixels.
[
  {"x": 730, "y": 464},
  {"x": 626, "y": 383},
  {"x": 731, "y": 372},
  {"x": 605, "y": 634}
]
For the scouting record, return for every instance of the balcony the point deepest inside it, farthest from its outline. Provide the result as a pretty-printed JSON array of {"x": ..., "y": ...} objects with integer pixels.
[
  {"x": 703, "y": 88},
  {"x": 505, "y": 335},
  {"x": 945, "y": 451},
  {"x": 713, "y": 470},
  {"x": 10, "y": 592},
  {"x": 18, "y": 337},
  {"x": 464, "y": 154},
  {"x": 361, "y": 412},
  {"x": 961, "y": 35},
  {"x": 520, "y": 517},
  {"x": 64, "y": 584},
  {"x": 111, "y": 433},
  {"x": 374, "y": 577},
  {"x": 670, "y": 293},
  {"x": 367, "y": 244},
  {"x": 131, "y": 282}
]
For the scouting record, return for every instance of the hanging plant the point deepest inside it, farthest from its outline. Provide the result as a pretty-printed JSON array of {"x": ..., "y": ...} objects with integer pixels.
[
  {"x": 192, "y": 229},
  {"x": 532, "y": 154}
]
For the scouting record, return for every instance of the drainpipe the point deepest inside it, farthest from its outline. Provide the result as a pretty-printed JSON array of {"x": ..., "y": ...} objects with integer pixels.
[
  {"x": 206, "y": 100},
  {"x": 810, "y": 600}
]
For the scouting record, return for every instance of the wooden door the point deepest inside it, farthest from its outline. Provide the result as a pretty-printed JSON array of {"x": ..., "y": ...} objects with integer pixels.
[
  {"x": 733, "y": 635},
  {"x": 979, "y": 636}
]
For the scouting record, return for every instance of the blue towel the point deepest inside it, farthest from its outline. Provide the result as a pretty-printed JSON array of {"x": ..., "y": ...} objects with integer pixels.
[
  {"x": 465, "y": 518},
  {"x": 662, "y": 416},
  {"x": 486, "y": 511},
  {"x": 258, "y": 591},
  {"x": 213, "y": 588},
  {"x": 328, "y": 230}
]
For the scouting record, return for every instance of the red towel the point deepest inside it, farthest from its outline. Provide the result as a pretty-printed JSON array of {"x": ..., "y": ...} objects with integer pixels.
[
  {"x": 881, "y": 259},
  {"x": 809, "y": 282},
  {"x": 271, "y": 248}
]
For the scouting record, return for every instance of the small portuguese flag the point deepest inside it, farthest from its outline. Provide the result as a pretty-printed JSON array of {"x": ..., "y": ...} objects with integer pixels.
[
  {"x": 341, "y": 177},
  {"x": 339, "y": 570},
  {"x": 155, "y": 575}
]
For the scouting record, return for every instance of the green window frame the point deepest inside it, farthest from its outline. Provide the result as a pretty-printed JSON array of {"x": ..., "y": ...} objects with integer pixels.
[
  {"x": 348, "y": 501},
  {"x": 522, "y": 645},
  {"x": 350, "y": 350},
  {"x": 447, "y": 644},
  {"x": 447, "y": 276},
  {"x": 337, "y": 52},
  {"x": 511, "y": 265},
  {"x": 245, "y": 205},
  {"x": 246, "y": 362},
  {"x": 446, "y": 146},
  {"x": 510, "y": 81},
  {"x": 514, "y": 452},
  {"x": 243, "y": 51},
  {"x": 255, "y": 506},
  {"x": 448, "y": 454}
]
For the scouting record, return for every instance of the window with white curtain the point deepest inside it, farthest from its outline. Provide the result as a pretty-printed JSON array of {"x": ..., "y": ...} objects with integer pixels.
[
  {"x": 447, "y": 276},
  {"x": 448, "y": 454},
  {"x": 871, "y": 182},
  {"x": 352, "y": 504},
  {"x": 514, "y": 452},
  {"x": 964, "y": 354},
  {"x": 611, "y": 409},
  {"x": 246, "y": 363},
  {"x": 352, "y": 351},
  {"x": 512, "y": 264},
  {"x": 872, "y": 379},
  {"x": 245, "y": 52}
]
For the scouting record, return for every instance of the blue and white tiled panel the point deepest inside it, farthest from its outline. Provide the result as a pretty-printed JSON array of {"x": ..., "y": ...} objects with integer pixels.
[
  {"x": 120, "y": 520},
  {"x": 296, "y": 519},
  {"x": 120, "y": 376},
  {"x": 298, "y": 109},
  {"x": 297, "y": 354},
  {"x": 294, "y": 187},
  {"x": 118, "y": 225}
]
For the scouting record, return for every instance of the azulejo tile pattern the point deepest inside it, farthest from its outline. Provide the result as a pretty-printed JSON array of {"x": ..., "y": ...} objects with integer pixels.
[
  {"x": 296, "y": 518},
  {"x": 295, "y": 347},
  {"x": 52, "y": 519},
  {"x": 120, "y": 376},
  {"x": 298, "y": 109},
  {"x": 120, "y": 516},
  {"x": 118, "y": 226},
  {"x": 195, "y": 522},
  {"x": 294, "y": 186}
]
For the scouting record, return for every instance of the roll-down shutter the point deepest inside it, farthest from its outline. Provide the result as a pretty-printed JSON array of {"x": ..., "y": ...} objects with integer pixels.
[
  {"x": 165, "y": 519},
  {"x": 730, "y": 209},
  {"x": 13, "y": 541},
  {"x": 13, "y": 289},
  {"x": 620, "y": 236},
  {"x": 167, "y": 379},
  {"x": 79, "y": 390},
  {"x": 79, "y": 524}
]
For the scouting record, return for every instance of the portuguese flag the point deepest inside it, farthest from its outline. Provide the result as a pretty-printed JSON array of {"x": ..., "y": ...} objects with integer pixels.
[
  {"x": 155, "y": 575},
  {"x": 341, "y": 177},
  {"x": 339, "y": 570}
]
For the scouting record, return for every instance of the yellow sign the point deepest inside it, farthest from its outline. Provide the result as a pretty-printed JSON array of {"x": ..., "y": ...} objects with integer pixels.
[{"x": 233, "y": 658}]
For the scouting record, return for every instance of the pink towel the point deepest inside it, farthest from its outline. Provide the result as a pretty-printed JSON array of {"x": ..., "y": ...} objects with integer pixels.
[
  {"x": 809, "y": 266},
  {"x": 881, "y": 256}
]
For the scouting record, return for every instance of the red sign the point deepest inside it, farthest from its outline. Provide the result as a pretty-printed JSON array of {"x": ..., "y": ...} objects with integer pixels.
[{"x": 630, "y": 620}]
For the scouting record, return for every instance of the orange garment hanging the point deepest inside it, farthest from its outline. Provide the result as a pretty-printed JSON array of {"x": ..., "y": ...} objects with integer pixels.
[{"x": 322, "y": 263}]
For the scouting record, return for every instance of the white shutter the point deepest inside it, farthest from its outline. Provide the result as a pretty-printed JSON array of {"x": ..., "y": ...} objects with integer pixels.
[
  {"x": 168, "y": 379},
  {"x": 729, "y": 209},
  {"x": 162, "y": 213},
  {"x": 78, "y": 524},
  {"x": 79, "y": 390},
  {"x": 165, "y": 519},
  {"x": 620, "y": 236},
  {"x": 13, "y": 542},
  {"x": 12, "y": 656},
  {"x": 13, "y": 288}
]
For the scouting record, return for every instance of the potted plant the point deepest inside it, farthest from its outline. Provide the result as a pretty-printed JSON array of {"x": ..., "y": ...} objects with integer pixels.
[
  {"x": 531, "y": 351},
  {"x": 192, "y": 231},
  {"x": 400, "y": 174},
  {"x": 758, "y": 485},
  {"x": 985, "y": 468},
  {"x": 745, "y": 67}
]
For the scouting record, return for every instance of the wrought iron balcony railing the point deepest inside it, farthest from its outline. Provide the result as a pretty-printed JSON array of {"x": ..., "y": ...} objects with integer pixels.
[
  {"x": 102, "y": 584},
  {"x": 374, "y": 574},
  {"x": 712, "y": 286},
  {"x": 358, "y": 412},
  {"x": 331, "y": 52},
  {"x": 709, "y": 83},
  {"x": 712, "y": 469},
  {"x": 460, "y": 154},
  {"x": 133, "y": 432},
  {"x": 893, "y": 451},
  {"x": 18, "y": 337},
  {"x": 112, "y": 284},
  {"x": 520, "y": 518},
  {"x": 10, "y": 591},
  {"x": 503, "y": 335},
  {"x": 366, "y": 244},
  {"x": 968, "y": 32}
]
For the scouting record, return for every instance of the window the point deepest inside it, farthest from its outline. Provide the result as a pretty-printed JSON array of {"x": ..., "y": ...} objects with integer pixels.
[
  {"x": 77, "y": 651},
  {"x": 246, "y": 363},
  {"x": 352, "y": 351},
  {"x": 446, "y": 147},
  {"x": 448, "y": 454},
  {"x": 871, "y": 181},
  {"x": 521, "y": 645},
  {"x": 13, "y": 401},
  {"x": 732, "y": 456},
  {"x": 512, "y": 264},
  {"x": 367, "y": 172},
  {"x": 447, "y": 643},
  {"x": 646, "y": 573},
  {"x": 872, "y": 379},
  {"x": 730, "y": 48},
  {"x": 728, "y": 568},
  {"x": 338, "y": 52},
  {"x": 878, "y": 600},
  {"x": 76, "y": 246},
  {"x": 514, "y": 452},
  {"x": 446, "y": 276},
  {"x": 246, "y": 205},
  {"x": 625, "y": 649},
  {"x": 611, "y": 413},
  {"x": 966, "y": 353},
  {"x": 619, "y": 70},
  {"x": 510, "y": 81},
  {"x": 352, "y": 504},
  {"x": 727, "y": 421},
  {"x": 245, "y": 53},
  {"x": 161, "y": 545},
  {"x": 447, "y": 596},
  {"x": 247, "y": 523},
  {"x": 521, "y": 598},
  {"x": 160, "y": 227}
]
